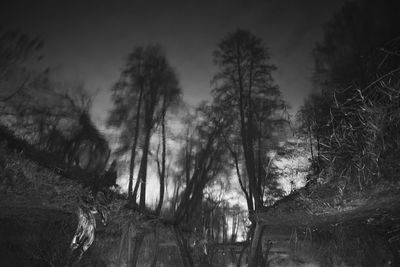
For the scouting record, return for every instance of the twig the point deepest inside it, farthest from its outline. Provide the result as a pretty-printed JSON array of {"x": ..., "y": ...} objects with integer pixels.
[{"x": 382, "y": 77}]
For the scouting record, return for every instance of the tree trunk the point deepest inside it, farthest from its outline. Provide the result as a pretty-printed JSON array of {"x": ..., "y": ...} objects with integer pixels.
[
  {"x": 242, "y": 186},
  {"x": 134, "y": 195},
  {"x": 247, "y": 143},
  {"x": 129, "y": 256},
  {"x": 259, "y": 161},
  {"x": 135, "y": 253},
  {"x": 255, "y": 246},
  {"x": 156, "y": 248},
  {"x": 162, "y": 173},
  {"x": 143, "y": 169},
  {"x": 224, "y": 228},
  {"x": 310, "y": 139},
  {"x": 124, "y": 235},
  {"x": 239, "y": 263},
  {"x": 150, "y": 104},
  {"x": 133, "y": 150},
  {"x": 183, "y": 248},
  {"x": 218, "y": 230},
  {"x": 235, "y": 225},
  {"x": 250, "y": 160}
]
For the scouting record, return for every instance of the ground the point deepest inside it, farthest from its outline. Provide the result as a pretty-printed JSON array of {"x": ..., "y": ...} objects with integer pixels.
[
  {"x": 319, "y": 224},
  {"x": 311, "y": 226}
]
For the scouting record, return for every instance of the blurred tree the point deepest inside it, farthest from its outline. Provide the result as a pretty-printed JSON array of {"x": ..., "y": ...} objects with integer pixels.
[
  {"x": 148, "y": 86},
  {"x": 43, "y": 112},
  {"x": 203, "y": 161},
  {"x": 51, "y": 116}
]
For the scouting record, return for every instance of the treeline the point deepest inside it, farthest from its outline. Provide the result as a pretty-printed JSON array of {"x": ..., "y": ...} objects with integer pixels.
[
  {"x": 226, "y": 138},
  {"x": 352, "y": 122},
  {"x": 352, "y": 118}
]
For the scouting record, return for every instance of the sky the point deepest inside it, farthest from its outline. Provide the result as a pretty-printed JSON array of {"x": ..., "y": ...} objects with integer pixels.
[{"x": 86, "y": 41}]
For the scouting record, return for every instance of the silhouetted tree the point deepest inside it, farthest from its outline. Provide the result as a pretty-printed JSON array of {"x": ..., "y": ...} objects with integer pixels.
[
  {"x": 244, "y": 83},
  {"x": 244, "y": 87},
  {"x": 147, "y": 87}
]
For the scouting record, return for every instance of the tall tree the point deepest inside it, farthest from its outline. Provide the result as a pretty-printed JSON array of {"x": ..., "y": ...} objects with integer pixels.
[
  {"x": 245, "y": 87},
  {"x": 245, "y": 84},
  {"x": 147, "y": 87},
  {"x": 170, "y": 96},
  {"x": 127, "y": 95}
]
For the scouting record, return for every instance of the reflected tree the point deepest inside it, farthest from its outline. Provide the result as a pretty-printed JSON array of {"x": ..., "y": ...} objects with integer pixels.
[
  {"x": 245, "y": 88},
  {"x": 147, "y": 87}
]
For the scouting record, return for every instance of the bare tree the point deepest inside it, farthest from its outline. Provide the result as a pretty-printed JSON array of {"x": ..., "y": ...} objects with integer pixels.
[
  {"x": 147, "y": 87},
  {"x": 244, "y": 86}
]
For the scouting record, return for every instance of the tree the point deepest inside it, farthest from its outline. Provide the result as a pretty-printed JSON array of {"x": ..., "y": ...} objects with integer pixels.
[
  {"x": 245, "y": 87},
  {"x": 148, "y": 86},
  {"x": 170, "y": 97},
  {"x": 244, "y": 82},
  {"x": 202, "y": 159}
]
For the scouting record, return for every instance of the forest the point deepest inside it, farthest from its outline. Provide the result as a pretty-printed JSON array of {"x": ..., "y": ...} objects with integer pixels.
[{"x": 238, "y": 180}]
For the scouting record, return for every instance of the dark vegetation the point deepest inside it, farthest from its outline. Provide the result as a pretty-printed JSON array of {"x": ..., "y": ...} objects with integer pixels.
[
  {"x": 351, "y": 121},
  {"x": 348, "y": 212},
  {"x": 354, "y": 116}
]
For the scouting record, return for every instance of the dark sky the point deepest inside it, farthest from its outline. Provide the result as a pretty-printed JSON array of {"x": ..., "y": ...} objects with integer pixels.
[{"x": 87, "y": 40}]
